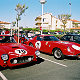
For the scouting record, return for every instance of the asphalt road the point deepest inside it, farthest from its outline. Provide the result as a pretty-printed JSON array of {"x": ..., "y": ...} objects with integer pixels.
[{"x": 46, "y": 68}]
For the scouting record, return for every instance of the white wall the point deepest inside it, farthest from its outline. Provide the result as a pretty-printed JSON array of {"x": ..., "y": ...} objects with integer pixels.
[{"x": 50, "y": 20}]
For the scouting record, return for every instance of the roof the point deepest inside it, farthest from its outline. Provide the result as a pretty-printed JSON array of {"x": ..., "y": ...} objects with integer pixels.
[
  {"x": 72, "y": 35},
  {"x": 74, "y": 20},
  {"x": 1, "y": 22},
  {"x": 76, "y": 28}
]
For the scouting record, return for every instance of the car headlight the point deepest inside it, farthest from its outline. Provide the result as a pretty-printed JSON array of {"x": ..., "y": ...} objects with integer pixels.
[
  {"x": 68, "y": 48},
  {"x": 76, "y": 47},
  {"x": 37, "y": 53},
  {"x": 4, "y": 57}
]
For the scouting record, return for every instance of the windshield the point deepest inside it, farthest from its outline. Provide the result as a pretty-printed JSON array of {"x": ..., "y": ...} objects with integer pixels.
[
  {"x": 50, "y": 38},
  {"x": 7, "y": 39},
  {"x": 77, "y": 38}
]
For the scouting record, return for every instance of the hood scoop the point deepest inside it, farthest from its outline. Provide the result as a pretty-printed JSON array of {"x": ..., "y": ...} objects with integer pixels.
[{"x": 15, "y": 47}]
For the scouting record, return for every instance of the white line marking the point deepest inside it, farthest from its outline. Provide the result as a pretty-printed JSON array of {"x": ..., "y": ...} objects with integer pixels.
[
  {"x": 3, "y": 77},
  {"x": 54, "y": 62}
]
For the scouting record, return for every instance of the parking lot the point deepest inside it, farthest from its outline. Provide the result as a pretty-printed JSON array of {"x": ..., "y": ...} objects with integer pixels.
[{"x": 46, "y": 68}]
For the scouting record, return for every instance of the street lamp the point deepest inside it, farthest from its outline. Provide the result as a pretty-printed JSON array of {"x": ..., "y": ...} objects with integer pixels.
[
  {"x": 70, "y": 15},
  {"x": 70, "y": 8},
  {"x": 42, "y": 2}
]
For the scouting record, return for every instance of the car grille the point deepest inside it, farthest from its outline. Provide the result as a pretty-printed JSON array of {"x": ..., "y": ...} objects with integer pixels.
[
  {"x": 79, "y": 54},
  {"x": 23, "y": 59}
]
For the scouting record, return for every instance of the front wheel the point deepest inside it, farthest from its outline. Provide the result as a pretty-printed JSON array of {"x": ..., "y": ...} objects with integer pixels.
[{"x": 58, "y": 54}]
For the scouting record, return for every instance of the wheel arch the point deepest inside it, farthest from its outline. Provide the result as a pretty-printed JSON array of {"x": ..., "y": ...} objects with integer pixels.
[
  {"x": 62, "y": 55},
  {"x": 54, "y": 49}
]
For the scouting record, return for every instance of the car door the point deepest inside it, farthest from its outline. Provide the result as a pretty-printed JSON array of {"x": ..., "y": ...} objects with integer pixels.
[
  {"x": 39, "y": 43},
  {"x": 42, "y": 44},
  {"x": 46, "y": 44}
]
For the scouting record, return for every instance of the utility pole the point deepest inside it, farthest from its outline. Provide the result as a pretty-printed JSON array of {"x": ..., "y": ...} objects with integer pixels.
[
  {"x": 42, "y": 2},
  {"x": 70, "y": 14}
]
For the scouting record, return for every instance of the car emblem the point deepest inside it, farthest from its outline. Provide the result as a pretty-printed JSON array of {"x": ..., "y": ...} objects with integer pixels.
[
  {"x": 20, "y": 51},
  {"x": 38, "y": 44}
]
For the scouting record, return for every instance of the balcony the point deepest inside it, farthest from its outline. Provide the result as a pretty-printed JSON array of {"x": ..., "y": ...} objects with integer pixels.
[{"x": 38, "y": 18}]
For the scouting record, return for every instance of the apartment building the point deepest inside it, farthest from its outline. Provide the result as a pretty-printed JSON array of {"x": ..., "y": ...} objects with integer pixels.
[
  {"x": 51, "y": 22},
  {"x": 5, "y": 25},
  {"x": 47, "y": 21}
]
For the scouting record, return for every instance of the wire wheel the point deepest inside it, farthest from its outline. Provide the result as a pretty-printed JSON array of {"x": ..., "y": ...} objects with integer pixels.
[{"x": 58, "y": 54}]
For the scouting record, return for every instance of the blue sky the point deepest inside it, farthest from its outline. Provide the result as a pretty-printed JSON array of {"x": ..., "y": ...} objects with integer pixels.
[{"x": 56, "y": 7}]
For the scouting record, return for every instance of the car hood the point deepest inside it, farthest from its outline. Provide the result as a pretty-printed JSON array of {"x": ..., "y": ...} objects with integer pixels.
[
  {"x": 67, "y": 43},
  {"x": 11, "y": 48}
]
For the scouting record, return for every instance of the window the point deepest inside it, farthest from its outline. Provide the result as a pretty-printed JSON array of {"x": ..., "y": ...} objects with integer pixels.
[
  {"x": 7, "y": 39},
  {"x": 50, "y": 38},
  {"x": 77, "y": 38},
  {"x": 46, "y": 38},
  {"x": 39, "y": 38},
  {"x": 67, "y": 38},
  {"x": 44, "y": 19}
]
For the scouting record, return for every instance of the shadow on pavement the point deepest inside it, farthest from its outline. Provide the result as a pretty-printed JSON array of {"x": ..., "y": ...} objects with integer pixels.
[
  {"x": 66, "y": 57},
  {"x": 71, "y": 58},
  {"x": 39, "y": 60}
]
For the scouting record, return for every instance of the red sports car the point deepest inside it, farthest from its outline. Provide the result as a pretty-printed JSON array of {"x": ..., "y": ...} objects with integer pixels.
[
  {"x": 14, "y": 54},
  {"x": 50, "y": 44}
]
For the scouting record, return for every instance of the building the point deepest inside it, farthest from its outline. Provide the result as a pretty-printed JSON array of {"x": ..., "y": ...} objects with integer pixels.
[
  {"x": 52, "y": 23},
  {"x": 76, "y": 29},
  {"x": 5, "y": 25},
  {"x": 75, "y": 23},
  {"x": 47, "y": 21}
]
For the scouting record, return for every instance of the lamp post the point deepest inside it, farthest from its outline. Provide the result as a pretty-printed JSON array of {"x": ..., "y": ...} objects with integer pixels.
[
  {"x": 70, "y": 8},
  {"x": 70, "y": 15},
  {"x": 42, "y": 2}
]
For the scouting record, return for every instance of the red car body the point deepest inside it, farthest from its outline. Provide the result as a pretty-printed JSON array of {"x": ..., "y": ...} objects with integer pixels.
[
  {"x": 14, "y": 54},
  {"x": 52, "y": 45}
]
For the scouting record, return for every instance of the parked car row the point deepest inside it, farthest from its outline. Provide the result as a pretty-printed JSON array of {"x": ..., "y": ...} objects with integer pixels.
[{"x": 14, "y": 54}]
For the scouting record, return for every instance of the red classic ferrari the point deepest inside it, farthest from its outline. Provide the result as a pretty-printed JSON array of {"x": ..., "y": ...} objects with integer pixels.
[
  {"x": 50, "y": 44},
  {"x": 14, "y": 54}
]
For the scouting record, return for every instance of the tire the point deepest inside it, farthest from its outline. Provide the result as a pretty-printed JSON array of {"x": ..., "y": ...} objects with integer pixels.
[
  {"x": 30, "y": 44},
  {"x": 58, "y": 54}
]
